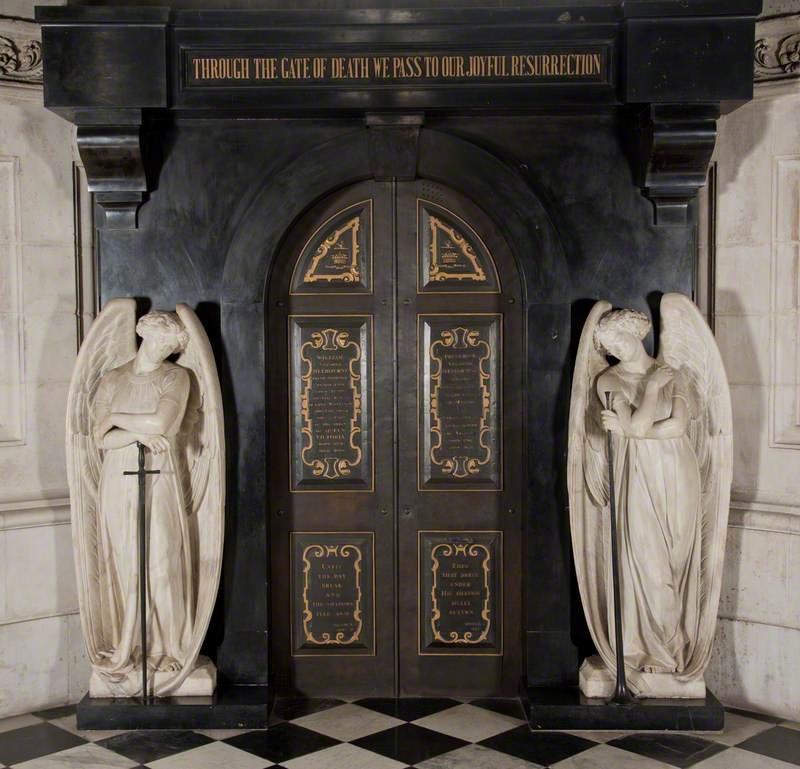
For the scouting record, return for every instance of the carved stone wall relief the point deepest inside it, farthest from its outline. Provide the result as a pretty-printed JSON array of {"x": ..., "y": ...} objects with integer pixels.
[
  {"x": 20, "y": 52},
  {"x": 777, "y": 49}
]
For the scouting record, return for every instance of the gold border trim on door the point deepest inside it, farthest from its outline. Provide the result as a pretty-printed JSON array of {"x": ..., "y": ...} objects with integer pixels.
[
  {"x": 422, "y": 290},
  {"x": 323, "y": 654},
  {"x": 499, "y": 652},
  {"x": 290, "y": 394},
  {"x": 500, "y": 428},
  {"x": 298, "y": 258}
]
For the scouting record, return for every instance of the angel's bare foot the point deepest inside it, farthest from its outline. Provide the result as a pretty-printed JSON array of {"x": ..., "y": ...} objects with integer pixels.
[{"x": 169, "y": 665}]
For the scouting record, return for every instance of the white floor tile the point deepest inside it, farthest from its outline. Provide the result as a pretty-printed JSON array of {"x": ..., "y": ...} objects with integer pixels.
[
  {"x": 343, "y": 757},
  {"x": 736, "y": 758},
  {"x": 786, "y": 724},
  {"x": 214, "y": 755},
  {"x": 476, "y": 757},
  {"x": 738, "y": 728},
  {"x": 17, "y": 722},
  {"x": 347, "y": 722},
  {"x": 609, "y": 757},
  {"x": 468, "y": 722},
  {"x": 88, "y": 756}
]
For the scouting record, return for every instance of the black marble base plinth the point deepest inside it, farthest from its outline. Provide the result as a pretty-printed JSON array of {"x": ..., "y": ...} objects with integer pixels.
[
  {"x": 567, "y": 709},
  {"x": 231, "y": 707}
]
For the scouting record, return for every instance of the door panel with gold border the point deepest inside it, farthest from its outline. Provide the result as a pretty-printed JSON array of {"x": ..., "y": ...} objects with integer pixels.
[{"x": 394, "y": 333}]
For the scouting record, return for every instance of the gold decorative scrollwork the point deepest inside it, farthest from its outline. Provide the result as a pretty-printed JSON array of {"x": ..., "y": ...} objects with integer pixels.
[
  {"x": 473, "y": 550},
  {"x": 342, "y": 254},
  {"x": 461, "y": 466},
  {"x": 330, "y": 467},
  {"x": 332, "y": 551},
  {"x": 455, "y": 241}
]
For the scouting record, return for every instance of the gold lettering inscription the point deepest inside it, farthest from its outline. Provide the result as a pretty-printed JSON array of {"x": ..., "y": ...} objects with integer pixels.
[
  {"x": 460, "y": 382},
  {"x": 331, "y": 403},
  {"x": 464, "y": 67},
  {"x": 464, "y": 588},
  {"x": 332, "y": 592}
]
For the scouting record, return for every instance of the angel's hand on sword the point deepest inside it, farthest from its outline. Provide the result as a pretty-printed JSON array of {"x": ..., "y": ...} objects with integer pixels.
[{"x": 612, "y": 422}]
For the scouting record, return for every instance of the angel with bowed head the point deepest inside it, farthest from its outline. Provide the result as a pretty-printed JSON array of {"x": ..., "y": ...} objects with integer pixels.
[
  {"x": 671, "y": 425},
  {"x": 120, "y": 397}
]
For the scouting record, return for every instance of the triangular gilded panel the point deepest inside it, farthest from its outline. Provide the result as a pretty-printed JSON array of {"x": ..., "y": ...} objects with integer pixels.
[
  {"x": 337, "y": 258},
  {"x": 451, "y": 255}
]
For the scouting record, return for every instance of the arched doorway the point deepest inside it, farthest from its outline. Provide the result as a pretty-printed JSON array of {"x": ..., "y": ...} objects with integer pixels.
[{"x": 395, "y": 349}]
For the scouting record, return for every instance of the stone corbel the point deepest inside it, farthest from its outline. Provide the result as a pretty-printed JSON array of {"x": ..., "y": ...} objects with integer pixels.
[
  {"x": 394, "y": 145},
  {"x": 674, "y": 144},
  {"x": 115, "y": 171}
]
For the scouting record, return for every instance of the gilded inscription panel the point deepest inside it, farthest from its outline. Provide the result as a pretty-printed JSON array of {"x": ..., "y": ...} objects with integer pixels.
[
  {"x": 337, "y": 258},
  {"x": 330, "y": 385},
  {"x": 460, "y": 592},
  {"x": 451, "y": 257},
  {"x": 459, "y": 425},
  {"x": 332, "y": 604}
]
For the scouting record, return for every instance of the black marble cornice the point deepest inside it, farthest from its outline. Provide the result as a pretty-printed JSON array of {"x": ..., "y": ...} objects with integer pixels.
[{"x": 659, "y": 57}]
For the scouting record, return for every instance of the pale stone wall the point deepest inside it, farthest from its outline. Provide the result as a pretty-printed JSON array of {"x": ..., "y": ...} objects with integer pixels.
[
  {"x": 757, "y": 309},
  {"x": 42, "y": 658}
]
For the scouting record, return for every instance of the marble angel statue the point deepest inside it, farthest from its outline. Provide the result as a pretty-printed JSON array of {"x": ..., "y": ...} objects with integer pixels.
[
  {"x": 670, "y": 419},
  {"x": 120, "y": 396}
]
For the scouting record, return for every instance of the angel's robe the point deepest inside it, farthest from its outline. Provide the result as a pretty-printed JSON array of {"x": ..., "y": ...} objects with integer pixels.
[
  {"x": 170, "y": 593},
  {"x": 657, "y": 483}
]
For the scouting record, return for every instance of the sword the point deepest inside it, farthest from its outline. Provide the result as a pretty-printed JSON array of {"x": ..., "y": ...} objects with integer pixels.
[
  {"x": 621, "y": 694},
  {"x": 142, "y": 474}
]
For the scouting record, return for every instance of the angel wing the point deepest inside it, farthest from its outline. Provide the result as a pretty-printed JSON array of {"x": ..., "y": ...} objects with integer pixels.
[
  {"x": 688, "y": 346},
  {"x": 110, "y": 343},
  {"x": 203, "y": 445},
  {"x": 587, "y": 481}
]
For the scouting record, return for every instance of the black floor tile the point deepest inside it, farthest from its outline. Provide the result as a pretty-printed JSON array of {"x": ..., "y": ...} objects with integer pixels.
[
  {"x": 408, "y": 708},
  {"x": 409, "y": 743},
  {"x": 779, "y": 742},
  {"x": 281, "y": 742},
  {"x": 681, "y": 750},
  {"x": 538, "y": 747},
  {"x": 507, "y": 707},
  {"x": 29, "y": 742},
  {"x": 52, "y": 713},
  {"x": 289, "y": 708},
  {"x": 147, "y": 746}
]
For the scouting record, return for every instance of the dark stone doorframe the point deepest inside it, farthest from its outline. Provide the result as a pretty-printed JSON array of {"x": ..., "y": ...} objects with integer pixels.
[{"x": 508, "y": 199}]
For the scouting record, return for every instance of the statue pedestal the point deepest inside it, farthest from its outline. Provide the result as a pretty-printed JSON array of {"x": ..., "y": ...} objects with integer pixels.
[
  {"x": 201, "y": 682},
  {"x": 597, "y": 681},
  {"x": 229, "y": 707},
  {"x": 567, "y": 709}
]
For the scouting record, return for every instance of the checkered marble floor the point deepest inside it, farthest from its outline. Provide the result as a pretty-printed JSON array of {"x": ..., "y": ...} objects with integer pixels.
[{"x": 394, "y": 734}]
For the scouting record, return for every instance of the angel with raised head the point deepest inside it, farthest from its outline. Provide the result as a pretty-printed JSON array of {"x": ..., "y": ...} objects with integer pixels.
[
  {"x": 121, "y": 397},
  {"x": 670, "y": 419}
]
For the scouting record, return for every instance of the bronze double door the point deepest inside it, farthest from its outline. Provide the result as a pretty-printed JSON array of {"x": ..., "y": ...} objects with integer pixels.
[{"x": 395, "y": 431}]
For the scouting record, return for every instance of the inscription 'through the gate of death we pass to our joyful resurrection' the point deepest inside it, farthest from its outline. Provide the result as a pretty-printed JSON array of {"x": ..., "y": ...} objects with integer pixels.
[{"x": 258, "y": 69}]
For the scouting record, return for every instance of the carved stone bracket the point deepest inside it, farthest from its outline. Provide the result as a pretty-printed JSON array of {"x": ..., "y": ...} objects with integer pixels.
[
  {"x": 20, "y": 52},
  {"x": 112, "y": 159},
  {"x": 777, "y": 49},
  {"x": 393, "y": 145},
  {"x": 674, "y": 144}
]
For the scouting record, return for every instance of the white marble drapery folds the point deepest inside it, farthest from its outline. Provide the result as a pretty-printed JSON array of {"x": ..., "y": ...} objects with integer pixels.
[
  {"x": 118, "y": 396},
  {"x": 671, "y": 425}
]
